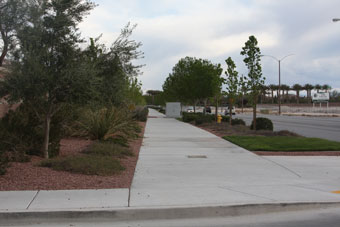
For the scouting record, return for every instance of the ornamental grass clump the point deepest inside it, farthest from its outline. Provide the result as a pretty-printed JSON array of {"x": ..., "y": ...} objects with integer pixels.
[{"x": 108, "y": 124}]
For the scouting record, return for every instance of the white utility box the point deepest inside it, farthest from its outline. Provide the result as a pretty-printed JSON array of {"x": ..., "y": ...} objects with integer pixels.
[{"x": 173, "y": 109}]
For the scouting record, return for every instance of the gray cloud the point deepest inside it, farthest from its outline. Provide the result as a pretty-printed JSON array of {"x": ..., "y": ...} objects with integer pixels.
[{"x": 217, "y": 29}]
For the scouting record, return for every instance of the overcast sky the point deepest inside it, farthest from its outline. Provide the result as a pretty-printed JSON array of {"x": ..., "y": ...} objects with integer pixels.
[{"x": 217, "y": 29}]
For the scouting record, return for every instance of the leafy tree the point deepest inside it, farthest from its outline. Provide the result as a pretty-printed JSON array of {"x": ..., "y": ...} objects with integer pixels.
[
  {"x": 252, "y": 59},
  {"x": 114, "y": 68},
  {"x": 297, "y": 88},
  {"x": 134, "y": 93},
  {"x": 48, "y": 69},
  {"x": 153, "y": 93},
  {"x": 233, "y": 84},
  {"x": 192, "y": 80},
  {"x": 12, "y": 16}
]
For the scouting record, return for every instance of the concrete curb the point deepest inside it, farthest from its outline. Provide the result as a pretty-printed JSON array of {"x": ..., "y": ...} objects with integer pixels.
[{"x": 158, "y": 213}]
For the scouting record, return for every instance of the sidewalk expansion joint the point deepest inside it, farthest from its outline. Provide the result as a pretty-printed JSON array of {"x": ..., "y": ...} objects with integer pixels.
[
  {"x": 35, "y": 196},
  {"x": 293, "y": 172},
  {"x": 245, "y": 193}
]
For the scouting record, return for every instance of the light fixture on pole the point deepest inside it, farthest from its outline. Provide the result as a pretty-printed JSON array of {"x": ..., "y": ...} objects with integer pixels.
[
  {"x": 279, "y": 90},
  {"x": 336, "y": 19}
]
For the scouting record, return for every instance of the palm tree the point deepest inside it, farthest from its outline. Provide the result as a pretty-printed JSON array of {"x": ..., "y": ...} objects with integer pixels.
[
  {"x": 272, "y": 88},
  {"x": 285, "y": 87},
  {"x": 309, "y": 88},
  {"x": 326, "y": 87},
  {"x": 297, "y": 88},
  {"x": 318, "y": 87}
]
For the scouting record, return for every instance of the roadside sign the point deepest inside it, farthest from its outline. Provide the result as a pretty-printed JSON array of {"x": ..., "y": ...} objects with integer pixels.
[{"x": 320, "y": 97}]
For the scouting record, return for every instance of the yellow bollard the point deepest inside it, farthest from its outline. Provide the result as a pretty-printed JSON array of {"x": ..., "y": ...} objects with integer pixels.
[{"x": 219, "y": 118}]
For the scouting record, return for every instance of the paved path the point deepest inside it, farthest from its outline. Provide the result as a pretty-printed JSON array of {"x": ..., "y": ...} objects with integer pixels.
[
  {"x": 319, "y": 127},
  {"x": 182, "y": 165}
]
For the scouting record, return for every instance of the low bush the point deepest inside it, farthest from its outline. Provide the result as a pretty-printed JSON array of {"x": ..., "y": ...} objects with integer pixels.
[
  {"x": 85, "y": 164},
  {"x": 263, "y": 124},
  {"x": 207, "y": 118},
  {"x": 141, "y": 113},
  {"x": 108, "y": 124},
  {"x": 21, "y": 133},
  {"x": 108, "y": 149},
  {"x": 237, "y": 121},
  {"x": 197, "y": 118},
  {"x": 189, "y": 117}
]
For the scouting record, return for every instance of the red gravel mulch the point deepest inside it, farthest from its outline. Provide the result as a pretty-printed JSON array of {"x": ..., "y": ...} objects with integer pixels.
[
  {"x": 224, "y": 130},
  {"x": 27, "y": 176}
]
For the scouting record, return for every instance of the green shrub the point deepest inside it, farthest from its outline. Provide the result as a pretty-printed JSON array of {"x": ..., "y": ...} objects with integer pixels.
[
  {"x": 198, "y": 118},
  {"x": 108, "y": 149},
  {"x": 263, "y": 124},
  {"x": 108, "y": 123},
  {"x": 141, "y": 113},
  {"x": 237, "y": 121},
  {"x": 201, "y": 118},
  {"x": 188, "y": 117},
  {"x": 21, "y": 133},
  {"x": 225, "y": 118},
  {"x": 85, "y": 164}
]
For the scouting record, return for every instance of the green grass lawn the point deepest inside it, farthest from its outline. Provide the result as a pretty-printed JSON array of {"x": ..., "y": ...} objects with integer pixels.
[{"x": 283, "y": 143}]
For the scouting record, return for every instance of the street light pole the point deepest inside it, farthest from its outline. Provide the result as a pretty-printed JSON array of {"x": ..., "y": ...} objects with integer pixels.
[{"x": 279, "y": 91}]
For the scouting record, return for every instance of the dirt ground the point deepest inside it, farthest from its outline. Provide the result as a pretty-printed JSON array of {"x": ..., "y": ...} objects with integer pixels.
[{"x": 28, "y": 176}]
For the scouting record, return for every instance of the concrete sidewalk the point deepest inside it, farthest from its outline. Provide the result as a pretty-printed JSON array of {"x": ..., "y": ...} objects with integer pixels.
[{"x": 181, "y": 165}]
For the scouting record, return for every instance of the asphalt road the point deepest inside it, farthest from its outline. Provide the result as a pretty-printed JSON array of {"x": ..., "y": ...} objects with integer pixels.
[{"x": 319, "y": 127}]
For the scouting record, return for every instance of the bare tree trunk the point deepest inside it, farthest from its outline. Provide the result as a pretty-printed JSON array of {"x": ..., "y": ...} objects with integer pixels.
[
  {"x": 272, "y": 97},
  {"x": 216, "y": 108},
  {"x": 230, "y": 111},
  {"x": 205, "y": 105},
  {"x": 5, "y": 47},
  {"x": 46, "y": 135},
  {"x": 242, "y": 102},
  {"x": 254, "y": 112}
]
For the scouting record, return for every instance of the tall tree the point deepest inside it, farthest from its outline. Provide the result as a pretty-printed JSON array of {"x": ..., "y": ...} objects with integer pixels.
[
  {"x": 252, "y": 59},
  {"x": 326, "y": 87},
  {"x": 285, "y": 88},
  {"x": 272, "y": 88},
  {"x": 233, "y": 84},
  {"x": 318, "y": 87},
  {"x": 114, "y": 68},
  {"x": 48, "y": 69},
  {"x": 297, "y": 88},
  {"x": 193, "y": 80},
  {"x": 153, "y": 93},
  {"x": 309, "y": 88},
  {"x": 12, "y": 16}
]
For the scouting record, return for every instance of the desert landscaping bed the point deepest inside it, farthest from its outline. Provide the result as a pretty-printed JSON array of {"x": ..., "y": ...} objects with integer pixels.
[{"x": 28, "y": 176}]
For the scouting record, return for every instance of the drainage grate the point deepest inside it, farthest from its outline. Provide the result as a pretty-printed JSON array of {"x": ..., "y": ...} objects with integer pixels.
[{"x": 197, "y": 156}]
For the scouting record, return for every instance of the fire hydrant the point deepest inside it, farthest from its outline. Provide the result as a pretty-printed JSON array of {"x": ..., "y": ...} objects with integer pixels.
[{"x": 219, "y": 118}]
